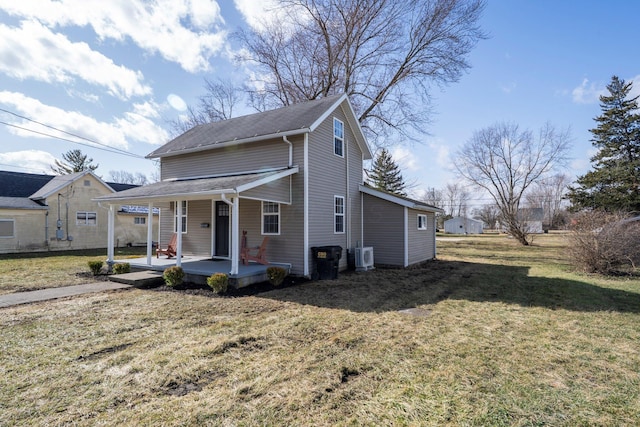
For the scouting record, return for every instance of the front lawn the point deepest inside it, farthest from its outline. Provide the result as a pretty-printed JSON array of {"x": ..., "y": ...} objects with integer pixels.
[{"x": 495, "y": 334}]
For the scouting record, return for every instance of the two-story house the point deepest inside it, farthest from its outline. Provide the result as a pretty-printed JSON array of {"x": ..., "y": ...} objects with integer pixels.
[
  {"x": 294, "y": 174},
  {"x": 49, "y": 213}
]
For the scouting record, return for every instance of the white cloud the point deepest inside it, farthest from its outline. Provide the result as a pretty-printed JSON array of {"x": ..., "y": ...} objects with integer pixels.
[
  {"x": 176, "y": 102},
  {"x": 405, "y": 159},
  {"x": 32, "y": 160},
  {"x": 187, "y": 32},
  {"x": 509, "y": 87},
  {"x": 587, "y": 92},
  {"x": 441, "y": 152},
  {"x": 134, "y": 125},
  {"x": 32, "y": 51},
  {"x": 260, "y": 14}
]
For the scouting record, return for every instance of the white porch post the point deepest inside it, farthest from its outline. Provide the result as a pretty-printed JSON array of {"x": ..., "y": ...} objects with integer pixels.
[
  {"x": 110, "y": 236},
  {"x": 235, "y": 235},
  {"x": 179, "y": 231},
  {"x": 149, "y": 233}
]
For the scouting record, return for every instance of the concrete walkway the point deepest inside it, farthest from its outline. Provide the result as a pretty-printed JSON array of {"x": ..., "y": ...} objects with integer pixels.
[{"x": 18, "y": 298}]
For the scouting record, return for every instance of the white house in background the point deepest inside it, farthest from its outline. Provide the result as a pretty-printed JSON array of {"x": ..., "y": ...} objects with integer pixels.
[{"x": 462, "y": 225}]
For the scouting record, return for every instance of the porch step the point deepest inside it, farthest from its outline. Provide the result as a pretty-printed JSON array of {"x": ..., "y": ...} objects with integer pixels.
[{"x": 139, "y": 279}]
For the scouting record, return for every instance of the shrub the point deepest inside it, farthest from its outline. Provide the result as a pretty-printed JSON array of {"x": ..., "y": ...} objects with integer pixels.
[
  {"x": 95, "y": 267},
  {"x": 276, "y": 275},
  {"x": 173, "y": 276},
  {"x": 219, "y": 282},
  {"x": 122, "y": 268},
  {"x": 605, "y": 243}
]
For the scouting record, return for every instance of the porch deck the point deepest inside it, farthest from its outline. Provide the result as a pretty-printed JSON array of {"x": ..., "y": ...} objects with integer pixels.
[{"x": 197, "y": 269}]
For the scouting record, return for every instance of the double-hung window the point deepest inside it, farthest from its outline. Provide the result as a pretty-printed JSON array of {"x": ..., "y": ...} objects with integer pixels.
[
  {"x": 139, "y": 220},
  {"x": 338, "y": 138},
  {"x": 7, "y": 228},
  {"x": 270, "y": 218},
  {"x": 338, "y": 214},
  {"x": 422, "y": 222},
  {"x": 86, "y": 218},
  {"x": 184, "y": 217}
]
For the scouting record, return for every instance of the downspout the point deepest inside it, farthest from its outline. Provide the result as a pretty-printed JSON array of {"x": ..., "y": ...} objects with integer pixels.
[
  {"x": 284, "y": 138},
  {"x": 305, "y": 209},
  {"x": 348, "y": 207}
]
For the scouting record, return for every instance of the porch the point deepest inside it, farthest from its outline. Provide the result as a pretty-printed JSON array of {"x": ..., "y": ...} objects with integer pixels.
[{"x": 197, "y": 269}]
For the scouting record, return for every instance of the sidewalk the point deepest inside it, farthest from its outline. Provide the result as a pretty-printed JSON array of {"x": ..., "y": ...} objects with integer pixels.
[{"x": 18, "y": 298}]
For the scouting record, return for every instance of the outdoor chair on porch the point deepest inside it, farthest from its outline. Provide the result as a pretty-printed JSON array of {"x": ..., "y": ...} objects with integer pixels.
[
  {"x": 260, "y": 255},
  {"x": 170, "y": 250}
]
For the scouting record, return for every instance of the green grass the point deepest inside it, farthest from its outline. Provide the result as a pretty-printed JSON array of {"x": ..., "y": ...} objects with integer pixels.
[
  {"x": 502, "y": 335},
  {"x": 28, "y": 272}
]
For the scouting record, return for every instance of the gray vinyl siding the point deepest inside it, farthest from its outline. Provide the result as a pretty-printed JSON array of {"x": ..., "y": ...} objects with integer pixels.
[
  {"x": 327, "y": 179},
  {"x": 197, "y": 240},
  {"x": 421, "y": 242},
  {"x": 227, "y": 160},
  {"x": 275, "y": 191},
  {"x": 384, "y": 230}
]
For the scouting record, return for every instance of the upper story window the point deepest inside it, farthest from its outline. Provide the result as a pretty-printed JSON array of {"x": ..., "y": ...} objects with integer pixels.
[
  {"x": 270, "y": 218},
  {"x": 422, "y": 222},
  {"x": 184, "y": 217},
  {"x": 338, "y": 138},
  {"x": 139, "y": 220},
  {"x": 86, "y": 218},
  {"x": 338, "y": 215}
]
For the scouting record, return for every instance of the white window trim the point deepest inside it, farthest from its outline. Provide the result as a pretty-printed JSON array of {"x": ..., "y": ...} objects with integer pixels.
[
  {"x": 276, "y": 214},
  {"x": 140, "y": 220},
  {"x": 13, "y": 234},
  {"x": 335, "y": 137},
  {"x": 184, "y": 216},
  {"x": 336, "y": 215},
  {"x": 86, "y": 218},
  {"x": 424, "y": 222}
]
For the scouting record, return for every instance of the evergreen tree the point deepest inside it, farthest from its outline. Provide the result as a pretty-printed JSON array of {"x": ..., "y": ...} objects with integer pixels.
[
  {"x": 73, "y": 161},
  {"x": 385, "y": 174},
  {"x": 614, "y": 182}
]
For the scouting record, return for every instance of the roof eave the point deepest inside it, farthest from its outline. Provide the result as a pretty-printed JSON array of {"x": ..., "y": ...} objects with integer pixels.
[{"x": 228, "y": 143}]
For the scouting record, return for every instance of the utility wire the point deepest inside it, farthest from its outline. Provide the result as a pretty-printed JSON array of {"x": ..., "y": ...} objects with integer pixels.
[{"x": 110, "y": 149}]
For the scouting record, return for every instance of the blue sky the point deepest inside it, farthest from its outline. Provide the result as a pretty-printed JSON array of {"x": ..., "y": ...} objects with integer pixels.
[{"x": 116, "y": 72}]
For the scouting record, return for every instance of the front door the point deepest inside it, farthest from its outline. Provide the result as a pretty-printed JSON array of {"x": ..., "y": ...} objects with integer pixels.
[{"x": 222, "y": 229}]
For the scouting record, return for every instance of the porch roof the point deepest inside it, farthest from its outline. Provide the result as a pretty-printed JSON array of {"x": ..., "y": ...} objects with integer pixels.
[{"x": 199, "y": 188}]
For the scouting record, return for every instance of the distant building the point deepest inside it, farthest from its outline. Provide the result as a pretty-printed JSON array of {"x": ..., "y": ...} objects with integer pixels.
[
  {"x": 48, "y": 213},
  {"x": 462, "y": 225}
]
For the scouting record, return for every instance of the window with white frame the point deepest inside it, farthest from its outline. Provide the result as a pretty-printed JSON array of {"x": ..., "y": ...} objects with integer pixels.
[
  {"x": 338, "y": 137},
  {"x": 86, "y": 218},
  {"x": 7, "y": 228},
  {"x": 338, "y": 214},
  {"x": 184, "y": 216},
  {"x": 422, "y": 222},
  {"x": 139, "y": 220},
  {"x": 270, "y": 218}
]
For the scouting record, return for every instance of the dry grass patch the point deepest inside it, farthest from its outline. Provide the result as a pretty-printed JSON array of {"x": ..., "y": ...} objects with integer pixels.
[
  {"x": 28, "y": 272},
  {"x": 493, "y": 345}
]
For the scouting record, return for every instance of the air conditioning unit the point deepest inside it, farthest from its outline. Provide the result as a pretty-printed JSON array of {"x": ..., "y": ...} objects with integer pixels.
[{"x": 364, "y": 259}]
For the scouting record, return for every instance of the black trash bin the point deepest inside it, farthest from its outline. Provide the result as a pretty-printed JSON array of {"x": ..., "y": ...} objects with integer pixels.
[{"x": 326, "y": 260}]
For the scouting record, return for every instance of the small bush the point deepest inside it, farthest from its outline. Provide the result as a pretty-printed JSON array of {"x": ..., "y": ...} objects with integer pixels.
[
  {"x": 173, "y": 276},
  {"x": 219, "y": 282},
  {"x": 95, "y": 267},
  {"x": 605, "y": 243},
  {"x": 122, "y": 268},
  {"x": 276, "y": 275}
]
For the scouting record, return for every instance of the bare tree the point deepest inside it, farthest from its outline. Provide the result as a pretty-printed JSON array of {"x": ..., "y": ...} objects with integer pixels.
[
  {"x": 506, "y": 162},
  {"x": 488, "y": 213},
  {"x": 385, "y": 54},
  {"x": 434, "y": 197},
  {"x": 548, "y": 194},
  {"x": 124, "y": 177},
  {"x": 456, "y": 199},
  {"x": 218, "y": 103}
]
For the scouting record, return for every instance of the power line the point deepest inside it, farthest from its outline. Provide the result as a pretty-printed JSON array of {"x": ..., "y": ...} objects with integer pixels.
[
  {"x": 108, "y": 148},
  {"x": 115, "y": 151}
]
